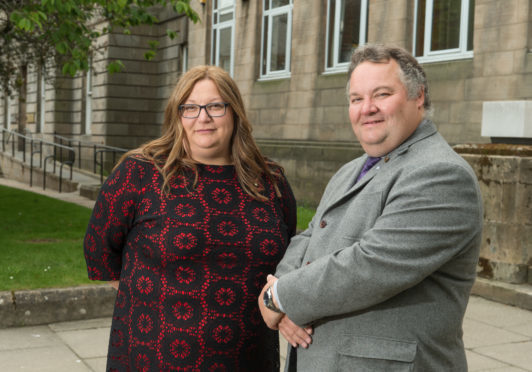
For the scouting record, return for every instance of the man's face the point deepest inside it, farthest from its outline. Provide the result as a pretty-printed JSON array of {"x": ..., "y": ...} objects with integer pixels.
[{"x": 381, "y": 114}]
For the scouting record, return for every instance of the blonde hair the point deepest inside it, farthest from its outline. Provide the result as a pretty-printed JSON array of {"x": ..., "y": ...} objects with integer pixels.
[{"x": 170, "y": 155}]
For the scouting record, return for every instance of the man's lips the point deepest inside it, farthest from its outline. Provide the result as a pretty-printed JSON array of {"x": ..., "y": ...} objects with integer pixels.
[{"x": 372, "y": 122}]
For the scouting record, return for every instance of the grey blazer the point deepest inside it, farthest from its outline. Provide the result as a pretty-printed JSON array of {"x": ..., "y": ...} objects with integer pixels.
[{"x": 385, "y": 268}]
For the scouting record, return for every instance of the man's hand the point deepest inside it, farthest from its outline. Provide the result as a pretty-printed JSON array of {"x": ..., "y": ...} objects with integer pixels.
[
  {"x": 271, "y": 318},
  {"x": 294, "y": 334}
]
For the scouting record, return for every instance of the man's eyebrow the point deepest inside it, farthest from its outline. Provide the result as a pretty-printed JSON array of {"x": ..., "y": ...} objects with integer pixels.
[{"x": 380, "y": 87}]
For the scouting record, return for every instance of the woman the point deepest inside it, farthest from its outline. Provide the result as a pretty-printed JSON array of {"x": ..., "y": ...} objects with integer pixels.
[{"x": 189, "y": 225}]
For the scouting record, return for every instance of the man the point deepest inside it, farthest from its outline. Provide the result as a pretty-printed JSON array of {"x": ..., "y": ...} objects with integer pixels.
[{"x": 381, "y": 278}]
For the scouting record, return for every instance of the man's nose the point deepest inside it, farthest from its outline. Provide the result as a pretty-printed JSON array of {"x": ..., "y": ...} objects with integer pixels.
[{"x": 368, "y": 107}]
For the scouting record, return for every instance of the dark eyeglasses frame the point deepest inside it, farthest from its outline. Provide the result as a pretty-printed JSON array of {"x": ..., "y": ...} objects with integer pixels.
[{"x": 181, "y": 107}]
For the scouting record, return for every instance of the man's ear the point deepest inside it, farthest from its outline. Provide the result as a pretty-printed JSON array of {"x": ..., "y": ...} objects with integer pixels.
[{"x": 420, "y": 100}]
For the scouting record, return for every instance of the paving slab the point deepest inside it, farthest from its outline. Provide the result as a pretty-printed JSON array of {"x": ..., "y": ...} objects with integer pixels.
[
  {"x": 83, "y": 344},
  {"x": 477, "y": 362},
  {"x": 55, "y": 358},
  {"x": 27, "y": 338},
  {"x": 97, "y": 364},
  {"x": 477, "y": 334},
  {"x": 517, "y": 354}
]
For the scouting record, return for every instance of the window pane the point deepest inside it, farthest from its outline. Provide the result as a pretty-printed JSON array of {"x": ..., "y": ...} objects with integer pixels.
[
  {"x": 471, "y": 24},
  {"x": 278, "y": 51},
  {"x": 420, "y": 28},
  {"x": 330, "y": 33},
  {"x": 215, "y": 36},
  {"x": 278, "y": 3},
  {"x": 265, "y": 46},
  {"x": 349, "y": 29},
  {"x": 226, "y": 16},
  {"x": 445, "y": 25},
  {"x": 226, "y": 3},
  {"x": 225, "y": 49}
]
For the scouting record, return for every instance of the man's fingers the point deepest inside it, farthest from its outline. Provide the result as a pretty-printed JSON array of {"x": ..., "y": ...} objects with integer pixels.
[{"x": 294, "y": 334}]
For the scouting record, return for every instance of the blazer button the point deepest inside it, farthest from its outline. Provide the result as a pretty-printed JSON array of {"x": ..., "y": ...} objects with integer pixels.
[{"x": 323, "y": 223}]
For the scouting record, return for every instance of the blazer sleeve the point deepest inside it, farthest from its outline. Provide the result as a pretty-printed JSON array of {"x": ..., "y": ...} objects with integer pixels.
[
  {"x": 111, "y": 220},
  {"x": 430, "y": 216},
  {"x": 293, "y": 257}
]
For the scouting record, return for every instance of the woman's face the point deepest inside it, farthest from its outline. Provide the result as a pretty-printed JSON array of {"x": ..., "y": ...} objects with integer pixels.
[{"x": 208, "y": 136}]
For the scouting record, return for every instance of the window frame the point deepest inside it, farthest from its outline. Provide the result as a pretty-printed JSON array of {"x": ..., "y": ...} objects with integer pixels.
[
  {"x": 363, "y": 37},
  {"x": 269, "y": 14},
  {"x": 447, "y": 54},
  {"x": 217, "y": 28}
]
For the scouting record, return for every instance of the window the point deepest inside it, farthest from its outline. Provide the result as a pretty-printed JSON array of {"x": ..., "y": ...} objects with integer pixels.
[
  {"x": 443, "y": 29},
  {"x": 276, "y": 38},
  {"x": 347, "y": 22},
  {"x": 7, "y": 112},
  {"x": 42, "y": 100},
  {"x": 223, "y": 26},
  {"x": 184, "y": 58},
  {"x": 88, "y": 100}
]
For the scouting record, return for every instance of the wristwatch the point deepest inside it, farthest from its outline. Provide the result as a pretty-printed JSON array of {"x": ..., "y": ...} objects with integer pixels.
[{"x": 268, "y": 300}]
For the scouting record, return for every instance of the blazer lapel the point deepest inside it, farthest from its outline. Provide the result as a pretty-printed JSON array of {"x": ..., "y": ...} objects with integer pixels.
[{"x": 348, "y": 188}]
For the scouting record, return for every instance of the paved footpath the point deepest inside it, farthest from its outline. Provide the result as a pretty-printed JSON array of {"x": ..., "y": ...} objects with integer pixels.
[{"x": 498, "y": 338}]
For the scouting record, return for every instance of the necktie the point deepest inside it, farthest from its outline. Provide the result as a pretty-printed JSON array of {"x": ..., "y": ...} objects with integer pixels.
[{"x": 370, "y": 162}]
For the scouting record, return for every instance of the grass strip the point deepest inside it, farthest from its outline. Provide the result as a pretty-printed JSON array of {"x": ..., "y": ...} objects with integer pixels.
[{"x": 40, "y": 241}]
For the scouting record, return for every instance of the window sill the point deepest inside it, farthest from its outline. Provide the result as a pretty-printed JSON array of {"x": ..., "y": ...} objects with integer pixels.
[
  {"x": 336, "y": 71},
  {"x": 275, "y": 77},
  {"x": 445, "y": 58}
]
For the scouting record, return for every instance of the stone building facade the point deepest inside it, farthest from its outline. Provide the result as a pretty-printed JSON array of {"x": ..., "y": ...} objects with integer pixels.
[{"x": 289, "y": 57}]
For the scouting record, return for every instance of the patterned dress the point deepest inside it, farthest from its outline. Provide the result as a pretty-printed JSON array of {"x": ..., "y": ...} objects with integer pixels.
[{"x": 191, "y": 265}]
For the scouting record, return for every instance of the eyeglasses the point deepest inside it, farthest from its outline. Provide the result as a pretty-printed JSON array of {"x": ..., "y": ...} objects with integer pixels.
[{"x": 192, "y": 111}]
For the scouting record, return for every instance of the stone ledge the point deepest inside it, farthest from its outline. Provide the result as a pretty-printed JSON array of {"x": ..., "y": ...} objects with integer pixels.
[
  {"x": 33, "y": 307},
  {"x": 519, "y": 295}
]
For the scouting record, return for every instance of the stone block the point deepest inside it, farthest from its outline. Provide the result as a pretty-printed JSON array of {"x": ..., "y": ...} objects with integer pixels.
[
  {"x": 507, "y": 119},
  {"x": 301, "y": 99},
  {"x": 496, "y": 39},
  {"x": 499, "y": 63},
  {"x": 447, "y": 90},
  {"x": 465, "y": 112},
  {"x": 491, "y": 196},
  {"x": 451, "y": 70},
  {"x": 492, "y": 88},
  {"x": 496, "y": 13},
  {"x": 523, "y": 206},
  {"x": 272, "y": 116},
  {"x": 524, "y": 87},
  {"x": 55, "y": 305},
  {"x": 332, "y": 97}
]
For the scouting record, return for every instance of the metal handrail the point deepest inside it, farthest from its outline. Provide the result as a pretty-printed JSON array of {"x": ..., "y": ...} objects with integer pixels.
[
  {"x": 97, "y": 152},
  {"x": 71, "y": 154}
]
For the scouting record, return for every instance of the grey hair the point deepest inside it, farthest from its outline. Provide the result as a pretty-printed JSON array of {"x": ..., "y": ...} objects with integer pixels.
[{"x": 411, "y": 73}]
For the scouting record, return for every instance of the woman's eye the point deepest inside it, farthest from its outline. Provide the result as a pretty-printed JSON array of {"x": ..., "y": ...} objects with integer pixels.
[{"x": 216, "y": 106}]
